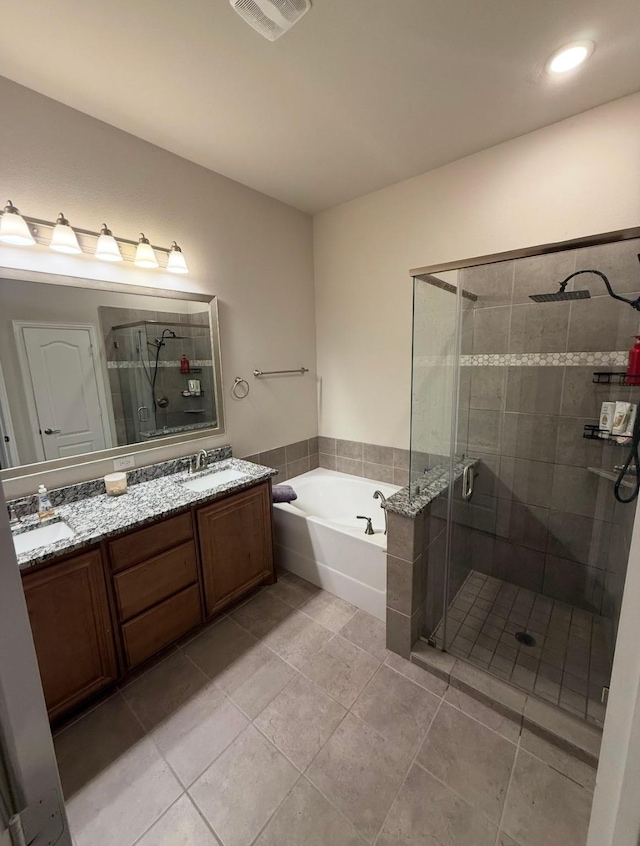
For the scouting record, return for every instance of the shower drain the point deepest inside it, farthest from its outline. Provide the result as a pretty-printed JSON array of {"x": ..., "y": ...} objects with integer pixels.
[{"x": 525, "y": 639}]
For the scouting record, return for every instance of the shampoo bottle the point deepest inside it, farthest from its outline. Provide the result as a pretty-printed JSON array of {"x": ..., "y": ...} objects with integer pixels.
[{"x": 633, "y": 368}]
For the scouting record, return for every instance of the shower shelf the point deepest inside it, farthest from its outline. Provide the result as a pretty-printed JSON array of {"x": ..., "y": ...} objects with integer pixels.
[
  {"x": 620, "y": 377},
  {"x": 594, "y": 433},
  {"x": 610, "y": 476}
]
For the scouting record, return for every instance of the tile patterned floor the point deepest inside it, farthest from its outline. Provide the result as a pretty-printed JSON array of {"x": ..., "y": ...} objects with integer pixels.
[
  {"x": 569, "y": 664},
  {"x": 287, "y": 723}
]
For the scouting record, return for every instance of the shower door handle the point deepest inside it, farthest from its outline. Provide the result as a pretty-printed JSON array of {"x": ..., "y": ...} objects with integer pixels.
[{"x": 467, "y": 483}]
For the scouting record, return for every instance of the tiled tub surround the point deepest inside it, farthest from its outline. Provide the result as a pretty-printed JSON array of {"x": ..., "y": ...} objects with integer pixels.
[
  {"x": 372, "y": 461},
  {"x": 289, "y": 460},
  {"x": 101, "y": 516}
]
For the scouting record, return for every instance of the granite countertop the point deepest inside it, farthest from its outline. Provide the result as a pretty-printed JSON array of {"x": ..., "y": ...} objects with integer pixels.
[
  {"x": 102, "y": 516},
  {"x": 414, "y": 498}
]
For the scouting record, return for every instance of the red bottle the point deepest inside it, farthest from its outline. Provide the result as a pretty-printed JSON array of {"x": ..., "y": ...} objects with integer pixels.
[
  {"x": 185, "y": 367},
  {"x": 633, "y": 370}
]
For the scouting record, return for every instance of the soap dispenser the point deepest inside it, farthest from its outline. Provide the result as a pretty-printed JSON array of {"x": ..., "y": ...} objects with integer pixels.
[{"x": 45, "y": 509}]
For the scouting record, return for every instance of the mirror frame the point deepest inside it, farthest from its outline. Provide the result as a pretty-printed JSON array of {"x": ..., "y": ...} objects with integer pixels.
[{"x": 22, "y": 470}]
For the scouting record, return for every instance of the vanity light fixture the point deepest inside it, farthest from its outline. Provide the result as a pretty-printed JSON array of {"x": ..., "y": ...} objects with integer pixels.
[
  {"x": 23, "y": 231},
  {"x": 14, "y": 228},
  {"x": 107, "y": 248},
  {"x": 570, "y": 56},
  {"x": 64, "y": 239},
  {"x": 176, "y": 262},
  {"x": 145, "y": 257}
]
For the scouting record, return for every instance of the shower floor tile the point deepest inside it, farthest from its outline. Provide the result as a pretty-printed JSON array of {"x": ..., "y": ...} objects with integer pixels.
[{"x": 566, "y": 664}]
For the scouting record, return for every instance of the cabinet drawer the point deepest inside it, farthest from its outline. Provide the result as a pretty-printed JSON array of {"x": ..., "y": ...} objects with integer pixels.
[
  {"x": 146, "y": 584},
  {"x": 147, "y": 634},
  {"x": 146, "y": 543}
]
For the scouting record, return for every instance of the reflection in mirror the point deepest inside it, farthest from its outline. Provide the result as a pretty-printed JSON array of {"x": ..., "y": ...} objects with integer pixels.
[{"x": 83, "y": 370}]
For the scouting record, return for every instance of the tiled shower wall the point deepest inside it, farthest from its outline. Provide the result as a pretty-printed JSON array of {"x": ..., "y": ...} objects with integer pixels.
[{"x": 539, "y": 518}]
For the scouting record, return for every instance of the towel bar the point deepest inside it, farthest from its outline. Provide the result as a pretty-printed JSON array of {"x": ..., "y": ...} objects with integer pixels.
[{"x": 258, "y": 373}]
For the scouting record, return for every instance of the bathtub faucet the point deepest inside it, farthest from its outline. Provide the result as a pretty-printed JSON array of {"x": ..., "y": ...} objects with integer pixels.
[
  {"x": 379, "y": 495},
  {"x": 369, "y": 529}
]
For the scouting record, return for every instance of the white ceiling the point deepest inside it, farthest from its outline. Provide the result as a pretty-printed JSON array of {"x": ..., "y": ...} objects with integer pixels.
[{"x": 359, "y": 95}]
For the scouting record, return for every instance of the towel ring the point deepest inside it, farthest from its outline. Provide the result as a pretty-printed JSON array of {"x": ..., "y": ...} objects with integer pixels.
[{"x": 244, "y": 392}]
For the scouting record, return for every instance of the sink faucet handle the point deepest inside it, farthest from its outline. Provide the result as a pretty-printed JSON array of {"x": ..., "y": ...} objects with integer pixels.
[
  {"x": 13, "y": 517},
  {"x": 369, "y": 529}
]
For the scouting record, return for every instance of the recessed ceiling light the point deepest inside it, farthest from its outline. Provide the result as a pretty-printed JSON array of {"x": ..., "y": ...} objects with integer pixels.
[{"x": 570, "y": 56}]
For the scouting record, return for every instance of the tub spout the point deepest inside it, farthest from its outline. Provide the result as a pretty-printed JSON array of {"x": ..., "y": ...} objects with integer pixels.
[
  {"x": 369, "y": 529},
  {"x": 379, "y": 495}
]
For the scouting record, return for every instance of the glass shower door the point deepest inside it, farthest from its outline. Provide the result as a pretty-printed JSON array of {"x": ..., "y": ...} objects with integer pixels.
[{"x": 439, "y": 421}]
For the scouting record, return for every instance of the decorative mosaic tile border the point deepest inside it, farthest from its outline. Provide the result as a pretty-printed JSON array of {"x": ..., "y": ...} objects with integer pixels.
[
  {"x": 130, "y": 365},
  {"x": 617, "y": 358}
]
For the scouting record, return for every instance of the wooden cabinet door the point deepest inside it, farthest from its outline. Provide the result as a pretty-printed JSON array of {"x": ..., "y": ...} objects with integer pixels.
[
  {"x": 236, "y": 547},
  {"x": 71, "y": 626}
]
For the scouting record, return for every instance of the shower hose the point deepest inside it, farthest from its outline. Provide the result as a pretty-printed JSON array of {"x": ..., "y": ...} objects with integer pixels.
[{"x": 632, "y": 459}]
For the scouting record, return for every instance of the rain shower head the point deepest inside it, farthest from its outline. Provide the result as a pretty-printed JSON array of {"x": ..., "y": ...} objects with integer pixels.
[
  {"x": 563, "y": 294},
  {"x": 560, "y": 295}
]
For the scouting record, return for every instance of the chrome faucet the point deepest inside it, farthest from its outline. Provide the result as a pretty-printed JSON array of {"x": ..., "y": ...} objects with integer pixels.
[
  {"x": 201, "y": 461},
  {"x": 379, "y": 495},
  {"x": 369, "y": 529}
]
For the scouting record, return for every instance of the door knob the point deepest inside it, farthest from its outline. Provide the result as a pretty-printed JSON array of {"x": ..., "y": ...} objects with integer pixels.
[{"x": 52, "y": 431}]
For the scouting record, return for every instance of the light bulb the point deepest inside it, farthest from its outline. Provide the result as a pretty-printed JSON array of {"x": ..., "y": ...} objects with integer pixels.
[
  {"x": 145, "y": 257},
  {"x": 64, "y": 239},
  {"x": 14, "y": 229},
  {"x": 107, "y": 248},
  {"x": 570, "y": 56},
  {"x": 176, "y": 262}
]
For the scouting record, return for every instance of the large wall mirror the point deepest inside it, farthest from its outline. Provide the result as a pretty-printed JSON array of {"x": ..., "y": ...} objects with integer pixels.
[{"x": 87, "y": 368}]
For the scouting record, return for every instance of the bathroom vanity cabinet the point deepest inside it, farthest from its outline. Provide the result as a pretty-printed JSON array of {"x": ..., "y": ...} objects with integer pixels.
[
  {"x": 98, "y": 615},
  {"x": 235, "y": 546},
  {"x": 72, "y": 631}
]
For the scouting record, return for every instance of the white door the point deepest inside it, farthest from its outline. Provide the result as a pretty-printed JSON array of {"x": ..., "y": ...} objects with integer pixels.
[{"x": 64, "y": 380}]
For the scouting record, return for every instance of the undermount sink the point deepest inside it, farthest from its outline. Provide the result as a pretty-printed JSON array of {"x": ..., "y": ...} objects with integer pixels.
[
  {"x": 212, "y": 480},
  {"x": 41, "y": 536}
]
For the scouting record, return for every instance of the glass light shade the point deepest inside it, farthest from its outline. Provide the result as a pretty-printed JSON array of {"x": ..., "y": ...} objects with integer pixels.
[
  {"x": 570, "y": 56},
  {"x": 107, "y": 248},
  {"x": 64, "y": 239},
  {"x": 176, "y": 262},
  {"x": 14, "y": 229},
  {"x": 145, "y": 257}
]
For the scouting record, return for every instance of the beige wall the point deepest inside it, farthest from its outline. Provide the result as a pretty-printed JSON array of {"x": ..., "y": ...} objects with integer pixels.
[
  {"x": 253, "y": 252},
  {"x": 574, "y": 178}
]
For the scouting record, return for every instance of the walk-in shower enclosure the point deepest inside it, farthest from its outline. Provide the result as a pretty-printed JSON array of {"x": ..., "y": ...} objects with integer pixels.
[{"x": 525, "y": 578}]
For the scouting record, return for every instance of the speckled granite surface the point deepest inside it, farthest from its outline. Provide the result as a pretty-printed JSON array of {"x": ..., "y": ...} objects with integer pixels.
[
  {"x": 102, "y": 516},
  {"x": 414, "y": 498},
  {"x": 74, "y": 493}
]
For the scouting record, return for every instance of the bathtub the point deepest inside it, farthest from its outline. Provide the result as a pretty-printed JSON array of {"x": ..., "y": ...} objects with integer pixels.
[{"x": 319, "y": 538}]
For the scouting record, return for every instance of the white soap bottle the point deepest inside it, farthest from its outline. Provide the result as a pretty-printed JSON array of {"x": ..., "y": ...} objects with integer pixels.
[{"x": 45, "y": 509}]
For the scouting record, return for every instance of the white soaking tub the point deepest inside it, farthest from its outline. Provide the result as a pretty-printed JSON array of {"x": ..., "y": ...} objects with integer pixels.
[{"x": 319, "y": 537}]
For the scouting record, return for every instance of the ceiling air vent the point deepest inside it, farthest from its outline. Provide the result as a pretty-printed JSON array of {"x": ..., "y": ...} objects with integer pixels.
[{"x": 271, "y": 18}]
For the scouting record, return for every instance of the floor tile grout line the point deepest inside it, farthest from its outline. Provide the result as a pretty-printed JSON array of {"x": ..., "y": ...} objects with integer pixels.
[
  {"x": 506, "y": 795},
  {"x": 407, "y": 771},
  {"x": 148, "y": 735}
]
